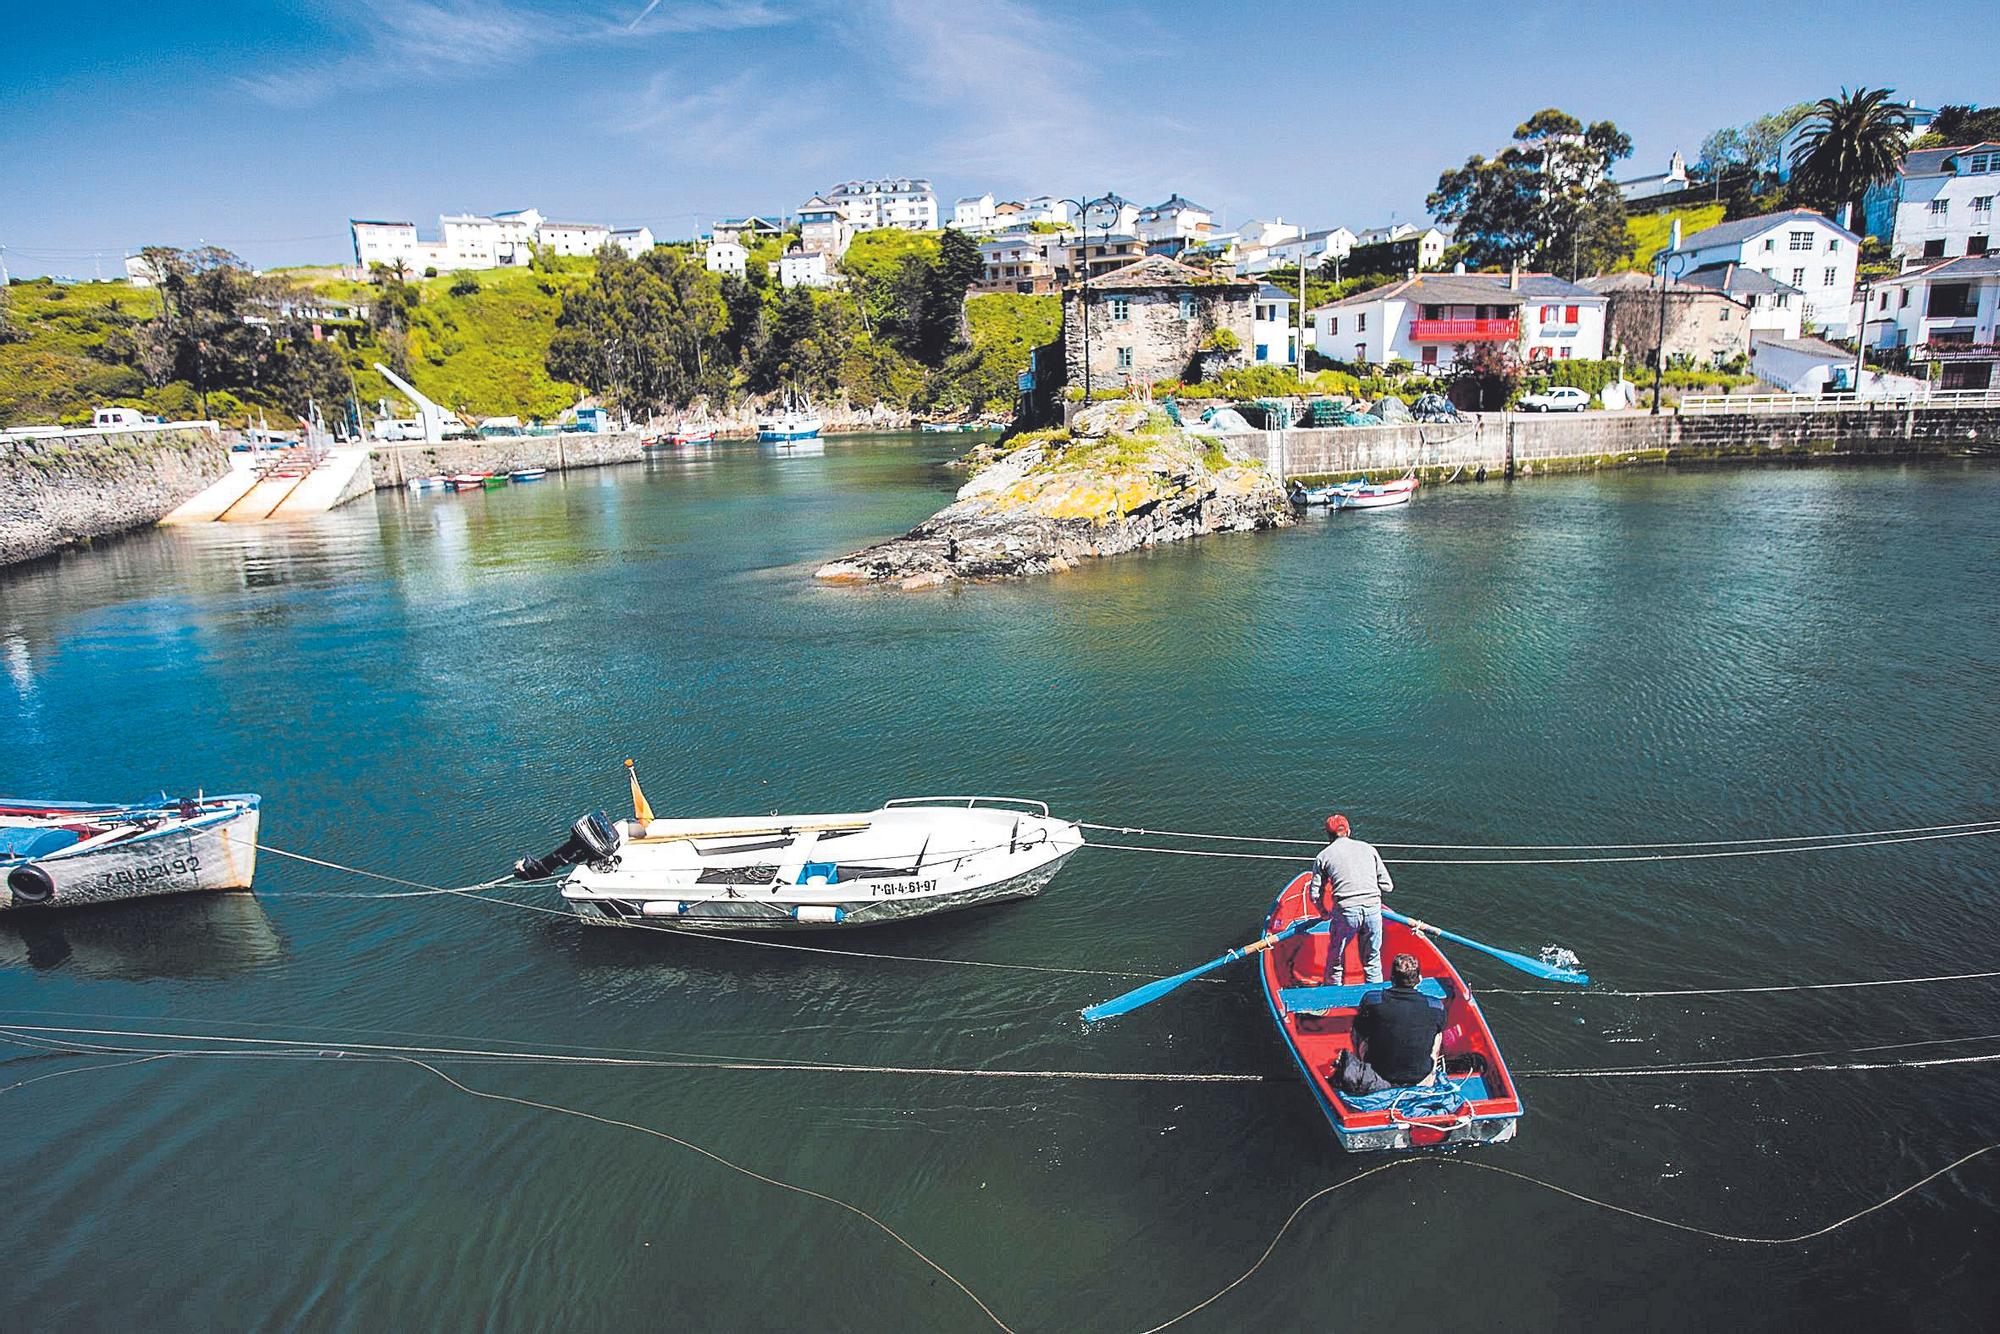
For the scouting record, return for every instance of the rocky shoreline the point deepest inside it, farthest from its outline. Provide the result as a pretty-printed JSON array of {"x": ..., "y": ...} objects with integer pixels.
[{"x": 1121, "y": 478}]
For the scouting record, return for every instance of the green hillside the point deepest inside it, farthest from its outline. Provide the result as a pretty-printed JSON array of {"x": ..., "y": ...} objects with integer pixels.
[{"x": 1650, "y": 231}]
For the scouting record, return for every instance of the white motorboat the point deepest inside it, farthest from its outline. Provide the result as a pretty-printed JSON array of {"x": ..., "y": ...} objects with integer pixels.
[
  {"x": 1377, "y": 497},
  {"x": 62, "y": 853},
  {"x": 913, "y": 857}
]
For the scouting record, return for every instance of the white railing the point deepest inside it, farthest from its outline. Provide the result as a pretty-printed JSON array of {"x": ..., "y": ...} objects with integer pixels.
[
  {"x": 23, "y": 437},
  {"x": 1710, "y": 404}
]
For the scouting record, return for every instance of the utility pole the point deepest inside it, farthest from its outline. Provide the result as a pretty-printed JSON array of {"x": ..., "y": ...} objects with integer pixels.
[{"x": 1299, "y": 348}]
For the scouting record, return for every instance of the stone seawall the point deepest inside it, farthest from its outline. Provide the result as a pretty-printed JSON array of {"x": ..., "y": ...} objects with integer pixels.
[
  {"x": 1517, "y": 444},
  {"x": 58, "y": 490},
  {"x": 393, "y": 465}
]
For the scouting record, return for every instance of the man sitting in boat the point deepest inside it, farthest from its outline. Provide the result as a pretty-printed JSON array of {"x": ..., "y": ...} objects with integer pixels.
[
  {"x": 1349, "y": 881},
  {"x": 1398, "y": 1033}
]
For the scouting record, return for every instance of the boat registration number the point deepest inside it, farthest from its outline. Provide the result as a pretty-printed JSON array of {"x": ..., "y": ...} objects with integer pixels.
[
  {"x": 140, "y": 875},
  {"x": 903, "y": 887}
]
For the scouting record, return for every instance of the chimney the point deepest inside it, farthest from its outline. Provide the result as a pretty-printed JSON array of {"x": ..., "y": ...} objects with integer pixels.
[
  {"x": 1409, "y": 275},
  {"x": 1847, "y": 215},
  {"x": 1674, "y": 236},
  {"x": 1458, "y": 267},
  {"x": 1514, "y": 277},
  {"x": 1728, "y": 275}
]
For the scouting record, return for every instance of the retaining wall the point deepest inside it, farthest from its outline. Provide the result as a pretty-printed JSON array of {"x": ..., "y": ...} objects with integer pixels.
[
  {"x": 1517, "y": 444},
  {"x": 58, "y": 490}
]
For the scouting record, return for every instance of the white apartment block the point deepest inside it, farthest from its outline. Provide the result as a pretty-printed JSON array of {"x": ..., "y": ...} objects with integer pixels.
[
  {"x": 1944, "y": 202},
  {"x": 634, "y": 241},
  {"x": 1798, "y": 247},
  {"x": 904, "y": 202},
  {"x": 804, "y": 268},
  {"x": 726, "y": 257},
  {"x": 974, "y": 213},
  {"x": 482, "y": 241}
]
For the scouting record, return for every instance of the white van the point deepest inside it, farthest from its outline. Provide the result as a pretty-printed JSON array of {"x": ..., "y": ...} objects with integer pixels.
[{"x": 114, "y": 418}]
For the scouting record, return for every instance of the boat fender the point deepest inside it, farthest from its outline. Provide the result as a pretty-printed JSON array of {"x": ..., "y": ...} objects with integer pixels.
[
  {"x": 31, "y": 884},
  {"x": 820, "y": 914},
  {"x": 592, "y": 838},
  {"x": 663, "y": 908}
]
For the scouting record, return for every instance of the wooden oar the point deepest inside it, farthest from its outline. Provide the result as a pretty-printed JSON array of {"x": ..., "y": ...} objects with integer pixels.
[
  {"x": 1549, "y": 972},
  {"x": 1152, "y": 991}
]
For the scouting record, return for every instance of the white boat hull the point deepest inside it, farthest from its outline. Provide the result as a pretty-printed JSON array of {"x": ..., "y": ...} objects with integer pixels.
[
  {"x": 1362, "y": 500},
  {"x": 177, "y": 860},
  {"x": 821, "y": 872}
]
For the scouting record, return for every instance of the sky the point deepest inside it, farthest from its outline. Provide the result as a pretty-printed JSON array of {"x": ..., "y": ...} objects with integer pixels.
[{"x": 264, "y": 127}]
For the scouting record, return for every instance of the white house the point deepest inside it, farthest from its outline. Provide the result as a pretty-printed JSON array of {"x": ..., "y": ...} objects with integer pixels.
[
  {"x": 902, "y": 201},
  {"x": 1815, "y": 366},
  {"x": 1047, "y": 208},
  {"x": 1670, "y": 181},
  {"x": 1112, "y": 213},
  {"x": 634, "y": 241},
  {"x": 973, "y": 213},
  {"x": 754, "y": 227},
  {"x": 1793, "y": 142},
  {"x": 139, "y": 271},
  {"x": 1314, "y": 248},
  {"x": 1431, "y": 320},
  {"x": 1941, "y": 202},
  {"x": 1798, "y": 247},
  {"x": 804, "y": 268},
  {"x": 1946, "y": 312},
  {"x": 1173, "y": 223},
  {"x": 726, "y": 257},
  {"x": 1274, "y": 338},
  {"x": 573, "y": 238}
]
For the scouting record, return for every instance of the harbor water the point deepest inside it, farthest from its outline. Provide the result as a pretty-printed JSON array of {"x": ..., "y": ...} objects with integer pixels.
[{"x": 430, "y": 686}]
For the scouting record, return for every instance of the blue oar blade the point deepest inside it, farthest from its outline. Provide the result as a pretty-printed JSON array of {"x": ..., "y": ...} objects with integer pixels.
[
  {"x": 1534, "y": 967},
  {"x": 1151, "y": 992}
]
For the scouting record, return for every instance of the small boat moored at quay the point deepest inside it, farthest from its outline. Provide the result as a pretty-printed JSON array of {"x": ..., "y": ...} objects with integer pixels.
[
  {"x": 467, "y": 481},
  {"x": 493, "y": 481},
  {"x": 429, "y": 483},
  {"x": 57, "y": 854},
  {"x": 795, "y": 421},
  {"x": 528, "y": 474},
  {"x": 914, "y": 857},
  {"x": 1358, "y": 494},
  {"x": 1474, "y": 1100},
  {"x": 692, "y": 433}
]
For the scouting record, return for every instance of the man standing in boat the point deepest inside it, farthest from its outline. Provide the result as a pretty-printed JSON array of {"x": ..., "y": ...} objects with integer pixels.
[{"x": 1349, "y": 881}]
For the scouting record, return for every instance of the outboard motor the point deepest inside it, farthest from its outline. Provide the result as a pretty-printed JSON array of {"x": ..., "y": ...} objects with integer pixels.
[{"x": 593, "y": 838}]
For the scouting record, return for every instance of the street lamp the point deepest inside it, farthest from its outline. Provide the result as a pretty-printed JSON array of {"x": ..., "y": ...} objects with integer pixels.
[
  {"x": 1678, "y": 263},
  {"x": 1083, "y": 290},
  {"x": 1861, "y": 336}
]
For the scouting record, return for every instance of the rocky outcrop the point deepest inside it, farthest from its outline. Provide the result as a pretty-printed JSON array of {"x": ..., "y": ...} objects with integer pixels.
[
  {"x": 1121, "y": 478},
  {"x": 59, "y": 490}
]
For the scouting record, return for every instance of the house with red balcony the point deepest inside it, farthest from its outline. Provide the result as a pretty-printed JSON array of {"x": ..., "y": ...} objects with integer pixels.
[{"x": 1433, "y": 320}]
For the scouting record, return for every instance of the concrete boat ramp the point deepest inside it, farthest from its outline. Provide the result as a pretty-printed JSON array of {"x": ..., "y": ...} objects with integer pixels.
[{"x": 280, "y": 484}]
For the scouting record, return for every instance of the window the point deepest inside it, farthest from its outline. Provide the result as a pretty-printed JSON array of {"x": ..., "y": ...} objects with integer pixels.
[
  {"x": 1548, "y": 315},
  {"x": 1433, "y": 312},
  {"x": 1904, "y": 304},
  {"x": 1430, "y": 354},
  {"x": 1723, "y": 316},
  {"x": 1934, "y": 249},
  {"x": 1187, "y": 305},
  {"x": 1982, "y": 203},
  {"x": 1333, "y": 324},
  {"x": 1833, "y": 246},
  {"x": 1562, "y": 353},
  {"x": 1121, "y": 308},
  {"x": 1832, "y": 277},
  {"x": 1798, "y": 278},
  {"x": 1802, "y": 241},
  {"x": 1263, "y": 351},
  {"x": 1976, "y": 245},
  {"x": 1361, "y": 352},
  {"x": 1124, "y": 358},
  {"x": 1361, "y": 322},
  {"x": 1569, "y": 314},
  {"x": 1940, "y": 207},
  {"x": 1770, "y": 243}
]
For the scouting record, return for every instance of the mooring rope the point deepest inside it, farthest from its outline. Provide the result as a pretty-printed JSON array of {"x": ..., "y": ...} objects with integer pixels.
[
  {"x": 1740, "y": 991},
  {"x": 419, "y": 888},
  {"x": 1541, "y": 847},
  {"x": 1300, "y": 860},
  {"x": 1269, "y": 1250}
]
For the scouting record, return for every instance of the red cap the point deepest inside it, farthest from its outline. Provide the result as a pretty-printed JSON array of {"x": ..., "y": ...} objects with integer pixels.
[{"x": 1336, "y": 826}]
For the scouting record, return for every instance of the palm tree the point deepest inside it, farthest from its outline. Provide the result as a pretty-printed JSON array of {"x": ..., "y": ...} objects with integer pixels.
[{"x": 1855, "y": 140}]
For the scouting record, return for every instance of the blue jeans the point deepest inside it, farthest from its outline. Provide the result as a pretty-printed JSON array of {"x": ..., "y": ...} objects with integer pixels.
[{"x": 1347, "y": 924}]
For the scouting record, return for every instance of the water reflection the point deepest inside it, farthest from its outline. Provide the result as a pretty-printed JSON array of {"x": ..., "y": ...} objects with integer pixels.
[{"x": 183, "y": 936}]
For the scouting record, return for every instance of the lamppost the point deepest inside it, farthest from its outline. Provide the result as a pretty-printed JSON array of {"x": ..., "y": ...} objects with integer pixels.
[
  {"x": 1083, "y": 289},
  {"x": 1861, "y": 336},
  {"x": 1678, "y": 263}
]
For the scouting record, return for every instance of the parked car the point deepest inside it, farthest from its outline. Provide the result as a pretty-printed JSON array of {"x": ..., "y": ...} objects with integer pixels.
[{"x": 1560, "y": 398}]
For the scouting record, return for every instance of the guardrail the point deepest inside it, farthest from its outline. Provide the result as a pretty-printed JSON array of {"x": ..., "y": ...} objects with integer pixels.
[
  {"x": 1710, "y": 404},
  {"x": 22, "y": 437}
]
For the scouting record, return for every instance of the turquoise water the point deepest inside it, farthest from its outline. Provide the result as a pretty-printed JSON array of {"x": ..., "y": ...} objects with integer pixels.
[{"x": 434, "y": 685}]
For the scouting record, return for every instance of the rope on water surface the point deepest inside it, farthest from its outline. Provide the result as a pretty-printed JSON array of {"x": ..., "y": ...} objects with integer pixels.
[
  {"x": 1986, "y": 829},
  {"x": 1580, "y": 1197},
  {"x": 1541, "y": 847},
  {"x": 419, "y": 889}
]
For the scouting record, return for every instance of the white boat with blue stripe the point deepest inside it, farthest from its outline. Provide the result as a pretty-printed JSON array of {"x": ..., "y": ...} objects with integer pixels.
[{"x": 911, "y": 858}]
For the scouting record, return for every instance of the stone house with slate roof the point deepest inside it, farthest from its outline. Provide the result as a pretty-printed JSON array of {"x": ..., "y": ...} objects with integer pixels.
[{"x": 1148, "y": 322}]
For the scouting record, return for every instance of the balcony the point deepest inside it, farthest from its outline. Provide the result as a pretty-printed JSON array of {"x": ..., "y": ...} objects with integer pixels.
[
  {"x": 1464, "y": 331},
  {"x": 1946, "y": 350}
]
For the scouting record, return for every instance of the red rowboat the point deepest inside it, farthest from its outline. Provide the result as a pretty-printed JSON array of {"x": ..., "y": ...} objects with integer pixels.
[{"x": 1476, "y": 1101}]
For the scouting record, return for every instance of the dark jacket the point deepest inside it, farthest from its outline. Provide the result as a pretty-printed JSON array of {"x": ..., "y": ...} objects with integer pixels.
[{"x": 1399, "y": 1025}]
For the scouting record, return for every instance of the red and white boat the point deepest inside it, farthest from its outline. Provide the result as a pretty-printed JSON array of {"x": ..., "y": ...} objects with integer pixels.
[
  {"x": 692, "y": 433},
  {"x": 468, "y": 481},
  {"x": 1397, "y": 492},
  {"x": 1474, "y": 1102}
]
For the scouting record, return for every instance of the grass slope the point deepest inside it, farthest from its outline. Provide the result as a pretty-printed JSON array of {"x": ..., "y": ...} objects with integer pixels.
[{"x": 1651, "y": 231}]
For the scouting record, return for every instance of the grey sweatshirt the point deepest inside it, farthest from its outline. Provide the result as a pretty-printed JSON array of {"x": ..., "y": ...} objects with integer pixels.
[{"x": 1359, "y": 877}]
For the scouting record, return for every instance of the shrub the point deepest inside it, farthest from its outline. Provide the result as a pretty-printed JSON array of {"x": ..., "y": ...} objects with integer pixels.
[
  {"x": 430, "y": 271},
  {"x": 464, "y": 285}
]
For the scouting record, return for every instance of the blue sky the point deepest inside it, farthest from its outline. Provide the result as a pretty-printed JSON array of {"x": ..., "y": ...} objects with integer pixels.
[{"x": 264, "y": 127}]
